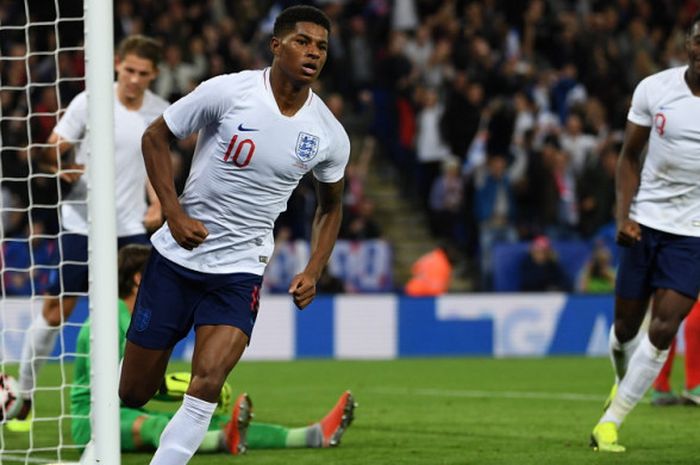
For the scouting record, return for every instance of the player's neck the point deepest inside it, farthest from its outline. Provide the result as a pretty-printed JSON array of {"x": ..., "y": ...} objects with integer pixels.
[
  {"x": 693, "y": 81},
  {"x": 130, "y": 103},
  {"x": 289, "y": 97}
]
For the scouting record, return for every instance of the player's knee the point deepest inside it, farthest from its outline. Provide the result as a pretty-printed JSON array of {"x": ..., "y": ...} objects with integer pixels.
[
  {"x": 133, "y": 397},
  {"x": 56, "y": 310},
  {"x": 662, "y": 332},
  {"x": 206, "y": 386},
  {"x": 624, "y": 330},
  {"x": 52, "y": 312}
]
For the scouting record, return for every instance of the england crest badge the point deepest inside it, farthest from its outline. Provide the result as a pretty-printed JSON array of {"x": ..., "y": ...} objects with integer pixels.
[{"x": 307, "y": 146}]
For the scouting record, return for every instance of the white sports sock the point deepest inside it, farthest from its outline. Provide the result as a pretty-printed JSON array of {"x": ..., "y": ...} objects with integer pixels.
[
  {"x": 185, "y": 432},
  {"x": 644, "y": 367},
  {"x": 621, "y": 353},
  {"x": 39, "y": 341}
]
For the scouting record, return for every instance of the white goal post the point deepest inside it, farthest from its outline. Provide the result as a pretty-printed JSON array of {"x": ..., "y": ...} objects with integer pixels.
[
  {"x": 102, "y": 241},
  {"x": 41, "y": 70}
]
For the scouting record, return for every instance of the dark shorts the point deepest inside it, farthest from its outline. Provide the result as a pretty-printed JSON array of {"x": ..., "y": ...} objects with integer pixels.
[
  {"x": 173, "y": 298},
  {"x": 659, "y": 261},
  {"x": 72, "y": 273}
]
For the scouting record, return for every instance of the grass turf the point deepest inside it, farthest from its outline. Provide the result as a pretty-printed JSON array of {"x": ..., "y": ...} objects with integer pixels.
[{"x": 433, "y": 411}]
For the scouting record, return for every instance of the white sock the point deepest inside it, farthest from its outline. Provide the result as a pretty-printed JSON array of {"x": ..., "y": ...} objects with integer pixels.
[
  {"x": 644, "y": 367},
  {"x": 39, "y": 341},
  {"x": 185, "y": 432},
  {"x": 621, "y": 353}
]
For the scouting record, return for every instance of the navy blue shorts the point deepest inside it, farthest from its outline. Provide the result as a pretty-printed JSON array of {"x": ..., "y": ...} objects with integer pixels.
[
  {"x": 73, "y": 277},
  {"x": 172, "y": 298},
  {"x": 660, "y": 260}
]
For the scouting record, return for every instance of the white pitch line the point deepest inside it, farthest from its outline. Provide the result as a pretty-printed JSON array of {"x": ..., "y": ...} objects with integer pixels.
[
  {"x": 23, "y": 459},
  {"x": 491, "y": 394}
]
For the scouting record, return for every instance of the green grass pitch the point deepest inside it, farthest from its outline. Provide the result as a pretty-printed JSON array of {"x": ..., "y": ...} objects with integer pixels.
[{"x": 436, "y": 411}]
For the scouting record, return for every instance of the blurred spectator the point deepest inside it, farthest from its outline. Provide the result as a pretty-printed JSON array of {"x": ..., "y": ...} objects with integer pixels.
[
  {"x": 445, "y": 203},
  {"x": 431, "y": 273},
  {"x": 596, "y": 192},
  {"x": 329, "y": 284},
  {"x": 578, "y": 145},
  {"x": 360, "y": 224},
  {"x": 494, "y": 207},
  {"x": 431, "y": 150},
  {"x": 598, "y": 275},
  {"x": 541, "y": 271},
  {"x": 462, "y": 115}
]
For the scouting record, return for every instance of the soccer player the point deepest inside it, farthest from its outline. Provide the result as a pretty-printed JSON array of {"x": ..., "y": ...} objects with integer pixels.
[
  {"x": 141, "y": 429},
  {"x": 134, "y": 108},
  {"x": 259, "y": 133},
  {"x": 658, "y": 229}
]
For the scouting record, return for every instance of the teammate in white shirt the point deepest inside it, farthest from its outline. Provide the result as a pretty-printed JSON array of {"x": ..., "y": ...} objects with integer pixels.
[
  {"x": 135, "y": 107},
  {"x": 259, "y": 133},
  {"x": 658, "y": 227}
]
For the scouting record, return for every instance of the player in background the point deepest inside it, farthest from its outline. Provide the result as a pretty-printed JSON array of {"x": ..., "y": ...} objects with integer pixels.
[
  {"x": 141, "y": 429},
  {"x": 135, "y": 107},
  {"x": 658, "y": 229},
  {"x": 260, "y": 132},
  {"x": 661, "y": 393}
]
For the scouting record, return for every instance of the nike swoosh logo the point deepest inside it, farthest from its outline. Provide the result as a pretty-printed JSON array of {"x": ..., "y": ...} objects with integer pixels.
[{"x": 241, "y": 128}]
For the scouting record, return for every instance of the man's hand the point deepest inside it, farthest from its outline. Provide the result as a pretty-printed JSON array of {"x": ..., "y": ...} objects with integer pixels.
[
  {"x": 628, "y": 233},
  {"x": 71, "y": 172},
  {"x": 186, "y": 231},
  {"x": 302, "y": 289},
  {"x": 153, "y": 218}
]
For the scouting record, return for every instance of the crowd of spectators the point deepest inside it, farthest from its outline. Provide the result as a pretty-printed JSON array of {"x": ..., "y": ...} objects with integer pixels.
[{"x": 502, "y": 119}]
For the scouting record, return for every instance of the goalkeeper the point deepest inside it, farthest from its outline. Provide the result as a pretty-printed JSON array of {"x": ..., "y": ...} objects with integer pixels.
[{"x": 141, "y": 428}]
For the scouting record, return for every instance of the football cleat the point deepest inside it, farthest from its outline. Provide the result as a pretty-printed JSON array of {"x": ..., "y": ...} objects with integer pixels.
[
  {"x": 663, "y": 398},
  {"x": 22, "y": 423},
  {"x": 236, "y": 429},
  {"x": 611, "y": 396},
  {"x": 604, "y": 438},
  {"x": 334, "y": 425},
  {"x": 691, "y": 396}
]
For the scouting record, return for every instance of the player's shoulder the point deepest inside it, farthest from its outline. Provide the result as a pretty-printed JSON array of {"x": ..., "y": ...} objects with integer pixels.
[
  {"x": 665, "y": 78},
  {"x": 238, "y": 83},
  {"x": 328, "y": 120}
]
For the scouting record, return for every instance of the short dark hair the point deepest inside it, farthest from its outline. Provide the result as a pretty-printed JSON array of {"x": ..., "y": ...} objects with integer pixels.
[
  {"x": 132, "y": 259},
  {"x": 142, "y": 47},
  {"x": 695, "y": 19},
  {"x": 287, "y": 20}
]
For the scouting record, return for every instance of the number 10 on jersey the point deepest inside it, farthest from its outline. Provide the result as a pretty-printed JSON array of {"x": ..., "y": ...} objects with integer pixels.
[{"x": 246, "y": 148}]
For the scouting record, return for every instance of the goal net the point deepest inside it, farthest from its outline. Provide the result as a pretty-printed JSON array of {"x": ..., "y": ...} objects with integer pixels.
[{"x": 42, "y": 68}]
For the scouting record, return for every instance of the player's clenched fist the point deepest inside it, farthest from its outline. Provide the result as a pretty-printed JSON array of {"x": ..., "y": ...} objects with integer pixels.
[
  {"x": 186, "y": 231},
  {"x": 303, "y": 290},
  {"x": 628, "y": 233}
]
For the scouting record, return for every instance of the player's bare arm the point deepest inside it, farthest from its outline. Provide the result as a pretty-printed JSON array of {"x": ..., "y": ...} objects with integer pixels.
[
  {"x": 326, "y": 225},
  {"x": 155, "y": 145},
  {"x": 627, "y": 179},
  {"x": 52, "y": 155},
  {"x": 154, "y": 214}
]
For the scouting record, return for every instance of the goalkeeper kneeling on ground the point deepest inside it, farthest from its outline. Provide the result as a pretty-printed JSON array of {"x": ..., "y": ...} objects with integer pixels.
[{"x": 230, "y": 430}]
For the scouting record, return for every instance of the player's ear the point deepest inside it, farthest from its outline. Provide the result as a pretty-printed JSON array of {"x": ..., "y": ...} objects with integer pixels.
[
  {"x": 137, "y": 279},
  {"x": 274, "y": 45}
]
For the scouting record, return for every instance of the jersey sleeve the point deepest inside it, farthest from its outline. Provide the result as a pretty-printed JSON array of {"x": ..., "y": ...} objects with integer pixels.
[
  {"x": 74, "y": 121},
  {"x": 640, "y": 110},
  {"x": 201, "y": 107},
  {"x": 333, "y": 168}
]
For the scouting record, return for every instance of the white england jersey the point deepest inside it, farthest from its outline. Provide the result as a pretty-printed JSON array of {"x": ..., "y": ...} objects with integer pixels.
[
  {"x": 668, "y": 198},
  {"x": 130, "y": 171},
  {"x": 248, "y": 160}
]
